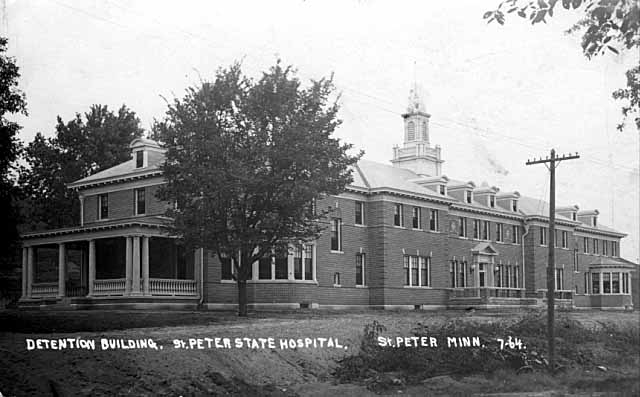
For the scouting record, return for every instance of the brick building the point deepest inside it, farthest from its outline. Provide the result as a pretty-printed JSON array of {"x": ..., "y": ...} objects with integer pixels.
[{"x": 402, "y": 235}]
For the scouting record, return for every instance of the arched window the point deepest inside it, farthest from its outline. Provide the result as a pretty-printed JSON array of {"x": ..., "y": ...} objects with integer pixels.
[
  {"x": 411, "y": 131},
  {"x": 425, "y": 136}
]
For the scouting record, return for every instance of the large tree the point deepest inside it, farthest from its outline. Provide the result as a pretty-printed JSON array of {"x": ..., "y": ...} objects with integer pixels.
[
  {"x": 607, "y": 25},
  {"x": 80, "y": 147},
  {"x": 12, "y": 102},
  {"x": 245, "y": 161}
]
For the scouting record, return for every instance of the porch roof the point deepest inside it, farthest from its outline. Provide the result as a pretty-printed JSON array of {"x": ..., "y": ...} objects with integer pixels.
[
  {"x": 608, "y": 263},
  {"x": 157, "y": 225}
]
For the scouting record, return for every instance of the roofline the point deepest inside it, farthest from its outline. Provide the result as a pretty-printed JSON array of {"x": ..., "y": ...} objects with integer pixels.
[
  {"x": 85, "y": 229},
  {"x": 114, "y": 179}
]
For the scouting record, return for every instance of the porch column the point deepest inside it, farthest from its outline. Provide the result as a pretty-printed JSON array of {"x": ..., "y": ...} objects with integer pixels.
[
  {"x": 25, "y": 254},
  {"x": 145, "y": 265},
  {"x": 29, "y": 271},
  {"x": 197, "y": 264},
  {"x": 92, "y": 265},
  {"x": 601, "y": 283},
  {"x": 128, "y": 266},
  {"x": 135, "y": 273},
  {"x": 62, "y": 269}
]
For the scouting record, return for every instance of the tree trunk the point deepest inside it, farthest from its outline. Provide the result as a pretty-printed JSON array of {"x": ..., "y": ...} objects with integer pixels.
[{"x": 242, "y": 298}]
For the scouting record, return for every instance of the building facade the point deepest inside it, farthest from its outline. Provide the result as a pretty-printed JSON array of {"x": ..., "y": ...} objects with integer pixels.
[{"x": 401, "y": 236}]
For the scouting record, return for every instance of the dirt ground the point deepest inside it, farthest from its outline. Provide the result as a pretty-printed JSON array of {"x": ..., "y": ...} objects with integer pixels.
[{"x": 168, "y": 371}]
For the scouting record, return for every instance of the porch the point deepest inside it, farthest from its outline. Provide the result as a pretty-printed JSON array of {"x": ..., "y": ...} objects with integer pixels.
[{"x": 107, "y": 266}]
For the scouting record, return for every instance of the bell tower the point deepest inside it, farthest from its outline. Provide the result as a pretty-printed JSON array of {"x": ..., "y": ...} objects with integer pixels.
[{"x": 416, "y": 153}]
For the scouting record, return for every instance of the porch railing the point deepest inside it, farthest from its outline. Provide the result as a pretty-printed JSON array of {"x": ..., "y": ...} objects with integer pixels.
[
  {"x": 167, "y": 286},
  {"x": 113, "y": 286},
  {"x": 43, "y": 290},
  {"x": 76, "y": 290},
  {"x": 487, "y": 292}
]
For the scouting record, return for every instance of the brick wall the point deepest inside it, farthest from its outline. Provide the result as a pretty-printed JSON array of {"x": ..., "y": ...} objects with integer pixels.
[{"x": 121, "y": 204}]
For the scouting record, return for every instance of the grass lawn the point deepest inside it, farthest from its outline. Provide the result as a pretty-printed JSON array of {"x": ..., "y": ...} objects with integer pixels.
[{"x": 262, "y": 371}]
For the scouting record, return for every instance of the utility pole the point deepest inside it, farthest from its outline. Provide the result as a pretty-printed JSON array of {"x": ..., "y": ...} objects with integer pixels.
[{"x": 551, "y": 242}]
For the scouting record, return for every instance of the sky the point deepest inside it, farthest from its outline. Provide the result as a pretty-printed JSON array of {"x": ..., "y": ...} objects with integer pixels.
[{"x": 497, "y": 95}]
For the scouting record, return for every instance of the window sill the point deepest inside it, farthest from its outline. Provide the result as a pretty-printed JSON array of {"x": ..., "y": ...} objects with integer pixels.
[
  {"x": 336, "y": 252},
  {"x": 359, "y": 225},
  {"x": 362, "y": 286},
  {"x": 282, "y": 281},
  {"x": 417, "y": 287},
  {"x": 337, "y": 286},
  {"x": 399, "y": 227}
]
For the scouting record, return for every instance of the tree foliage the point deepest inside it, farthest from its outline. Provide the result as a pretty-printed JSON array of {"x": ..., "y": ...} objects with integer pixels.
[
  {"x": 607, "y": 25},
  {"x": 80, "y": 147},
  {"x": 245, "y": 159},
  {"x": 12, "y": 102}
]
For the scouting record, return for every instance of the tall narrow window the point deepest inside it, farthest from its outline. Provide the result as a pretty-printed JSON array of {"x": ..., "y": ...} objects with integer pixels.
[
  {"x": 425, "y": 271},
  {"x": 625, "y": 283},
  {"x": 499, "y": 231},
  {"x": 595, "y": 246},
  {"x": 559, "y": 279},
  {"x": 103, "y": 206},
  {"x": 140, "y": 201},
  {"x": 425, "y": 136},
  {"x": 397, "y": 215},
  {"x": 514, "y": 205},
  {"x": 605, "y": 247},
  {"x": 586, "y": 283},
  {"x": 413, "y": 262},
  {"x": 226, "y": 268},
  {"x": 411, "y": 131},
  {"x": 360, "y": 269},
  {"x": 492, "y": 201},
  {"x": 476, "y": 229},
  {"x": 407, "y": 271},
  {"x": 614, "y": 248},
  {"x": 516, "y": 234},
  {"x": 463, "y": 227},
  {"x": 282, "y": 265},
  {"x": 416, "y": 221},
  {"x": 359, "y": 213},
  {"x": 297, "y": 262},
  {"x": 565, "y": 239},
  {"x": 595, "y": 283},
  {"x": 308, "y": 262},
  {"x": 139, "y": 159},
  {"x": 264, "y": 268},
  {"x": 443, "y": 190},
  {"x": 433, "y": 220},
  {"x": 543, "y": 236},
  {"x": 585, "y": 245},
  {"x": 615, "y": 283},
  {"x": 336, "y": 234},
  {"x": 606, "y": 283},
  {"x": 576, "y": 261},
  {"x": 467, "y": 196},
  {"x": 481, "y": 275},
  {"x": 485, "y": 230}
]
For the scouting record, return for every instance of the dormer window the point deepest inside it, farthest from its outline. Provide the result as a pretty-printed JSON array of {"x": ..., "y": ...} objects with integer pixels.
[
  {"x": 514, "y": 205},
  {"x": 492, "y": 201},
  {"x": 594, "y": 222},
  {"x": 467, "y": 196},
  {"x": 139, "y": 159},
  {"x": 574, "y": 217},
  {"x": 443, "y": 190}
]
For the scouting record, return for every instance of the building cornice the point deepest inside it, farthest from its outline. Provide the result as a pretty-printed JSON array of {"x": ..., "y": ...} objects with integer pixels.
[{"x": 115, "y": 179}]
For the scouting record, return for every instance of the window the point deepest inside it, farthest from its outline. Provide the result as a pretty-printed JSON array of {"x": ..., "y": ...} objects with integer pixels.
[
  {"x": 359, "y": 213},
  {"x": 615, "y": 283},
  {"x": 559, "y": 279},
  {"x": 443, "y": 190},
  {"x": 575, "y": 260},
  {"x": 336, "y": 234},
  {"x": 516, "y": 234},
  {"x": 586, "y": 283},
  {"x": 625, "y": 283},
  {"x": 336, "y": 279},
  {"x": 605, "y": 247},
  {"x": 411, "y": 131},
  {"x": 595, "y": 221},
  {"x": 264, "y": 268},
  {"x": 417, "y": 270},
  {"x": 103, "y": 206},
  {"x": 565, "y": 239},
  {"x": 585, "y": 245},
  {"x": 486, "y": 235},
  {"x": 463, "y": 227},
  {"x": 606, "y": 283},
  {"x": 303, "y": 262},
  {"x": 360, "y": 268},
  {"x": 492, "y": 201},
  {"x": 516, "y": 276},
  {"x": 499, "y": 231},
  {"x": 514, "y": 205},
  {"x": 140, "y": 201},
  {"x": 397, "y": 215},
  {"x": 595, "y": 283},
  {"x": 139, "y": 159},
  {"x": 476, "y": 229},
  {"x": 467, "y": 196},
  {"x": 424, "y": 131},
  {"x": 282, "y": 263},
  {"x": 433, "y": 220},
  {"x": 417, "y": 214},
  {"x": 481, "y": 275},
  {"x": 614, "y": 248},
  {"x": 595, "y": 246},
  {"x": 227, "y": 268},
  {"x": 458, "y": 272},
  {"x": 543, "y": 236},
  {"x": 574, "y": 217}
]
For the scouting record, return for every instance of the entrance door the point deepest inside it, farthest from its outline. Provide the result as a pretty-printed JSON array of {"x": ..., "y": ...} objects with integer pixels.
[{"x": 482, "y": 281}]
